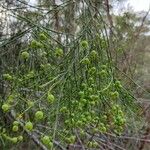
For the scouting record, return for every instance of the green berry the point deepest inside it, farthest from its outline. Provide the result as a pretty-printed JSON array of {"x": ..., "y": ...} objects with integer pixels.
[
  {"x": 50, "y": 98},
  {"x": 29, "y": 126},
  {"x": 63, "y": 109},
  {"x": 59, "y": 52},
  {"x": 7, "y": 77},
  {"x": 95, "y": 130},
  {"x": 91, "y": 80},
  {"x": 90, "y": 90},
  {"x": 20, "y": 138},
  {"x": 30, "y": 75},
  {"x": 70, "y": 139},
  {"x": 81, "y": 93},
  {"x": 11, "y": 98},
  {"x": 92, "y": 70},
  {"x": 103, "y": 73},
  {"x": 84, "y": 44},
  {"x": 33, "y": 44},
  {"x": 30, "y": 103},
  {"x": 94, "y": 97},
  {"x": 46, "y": 140},
  {"x": 90, "y": 144},
  {"x": 39, "y": 45},
  {"x": 50, "y": 145},
  {"x": 85, "y": 61},
  {"x": 83, "y": 100},
  {"x": 93, "y": 54},
  {"x": 15, "y": 123},
  {"x": 92, "y": 103},
  {"x": 25, "y": 55},
  {"x": 118, "y": 84},
  {"x": 114, "y": 95},
  {"x": 5, "y": 107},
  {"x": 82, "y": 133},
  {"x": 95, "y": 144},
  {"x": 15, "y": 128},
  {"x": 83, "y": 85},
  {"x": 102, "y": 128},
  {"x": 104, "y": 67},
  {"x": 42, "y": 37},
  {"x": 79, "y": 123},
  {"x": 39, "y": 115}
]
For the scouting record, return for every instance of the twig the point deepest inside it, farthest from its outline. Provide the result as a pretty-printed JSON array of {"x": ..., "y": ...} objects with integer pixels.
[{"x": 30, "y": 134}]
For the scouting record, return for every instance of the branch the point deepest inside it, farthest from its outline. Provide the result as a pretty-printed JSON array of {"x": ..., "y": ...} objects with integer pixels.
[{"x": 31, "y": 135}]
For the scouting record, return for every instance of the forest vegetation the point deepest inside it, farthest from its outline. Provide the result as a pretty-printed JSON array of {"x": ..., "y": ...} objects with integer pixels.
[{"x": 75, "y": 75}]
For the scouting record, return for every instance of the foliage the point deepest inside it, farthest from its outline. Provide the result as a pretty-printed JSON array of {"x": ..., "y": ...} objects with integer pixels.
[{"x": 60, "y": 85}]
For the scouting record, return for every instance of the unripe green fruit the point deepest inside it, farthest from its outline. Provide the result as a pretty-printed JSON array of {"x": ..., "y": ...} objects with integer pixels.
[
  {"x": 95, "y": 130},
  {"x": 91, "y": 80},
  {"x": 64, "y": 109},
  {"x": 89, "y": 118},
  {"x": 42, "y": 37},
  {"x": 11, "y": 98},
  {"x": 81, "y": 93},
  {"x": 95, "y": 144},
  {"x": 39, "y": 115},
  {"x": 20, "y": 138},
  {"x": 90, "y": 144},
  {"x": 82, "y": 133},
  {"x": 30, "y": 75},
  {"x": 85, "y": 61},
  {"x": 39, "y": 45},
  {"x": 7, "y": 77},
  {"x": 59, "y": 52},
  {"x": 50, "y": 98},
  {"x": 90, "y": 90},
  {"x": 67, "y": 122},
  {"x": 46, "y": 140},
  {"x": 33, "y": 43},
  {"x": 14, "y": 139},
  {"x": 50, "y": 145},
  {"x": 84, "y": 86},
  {"x": 118, "y": 84},
  {"x": 36, "y": 44},
  {"x": 104, "y": 117},
  {"x": 83, "y": 100},
  {"x": 30, "y": 103},
  {"x": 93, "y": 54},
  {"x": 25, "y": 55},
  {"x": 15, "y": 123},
  {"x": 84, "y": 44},
  {"x": 102, "y": 128},
  {"x": 70, "y": 139},
  {"x": 79, "y": 123},
  {"x": 3, "y": 130},
  {"x": 103, "y": 73},
  {"x": 114, "y": 95},
  {"x": 93, "y": 103},
  {"x": 5, "y": 107},
  {"x": 104, "y": 67},
  {"x": 29, "y": 126},
  {"x": 15, "y": 128},
  {"x": 92, "y": 70},
  {"x": 94, "y": 97}
]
